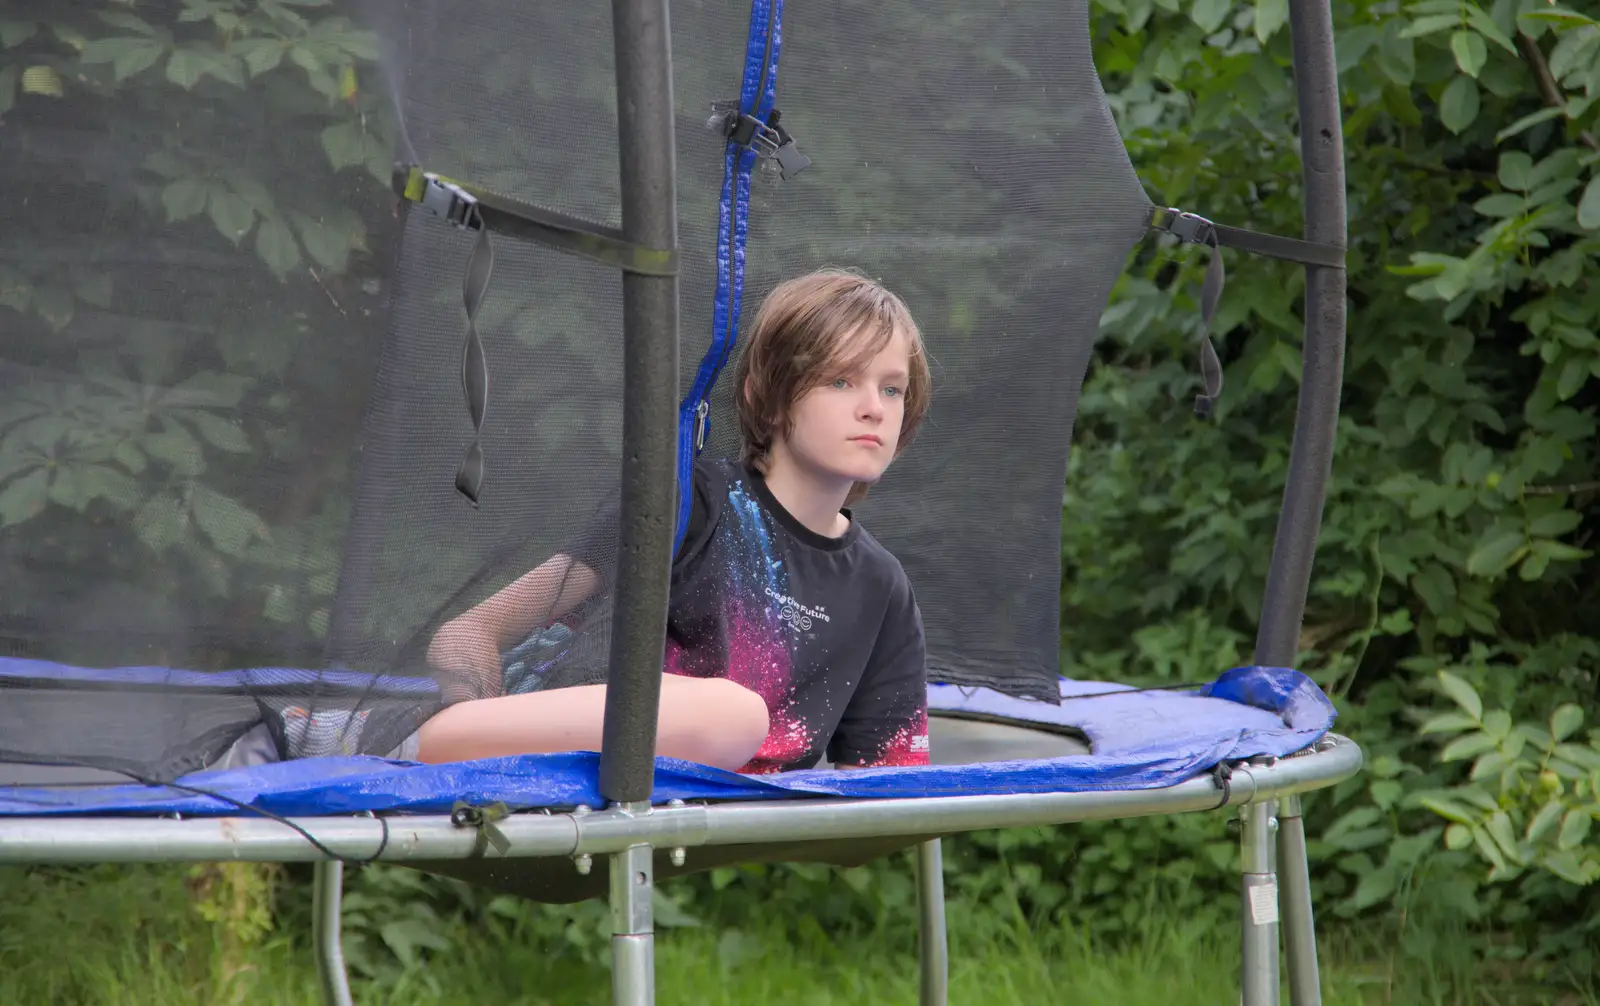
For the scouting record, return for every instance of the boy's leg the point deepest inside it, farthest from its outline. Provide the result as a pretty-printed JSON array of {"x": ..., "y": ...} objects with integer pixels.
[{"x": 707, "y": 720}]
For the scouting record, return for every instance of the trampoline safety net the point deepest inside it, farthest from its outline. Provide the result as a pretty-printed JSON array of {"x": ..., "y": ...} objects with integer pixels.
[{"x": 231, "y": 378}]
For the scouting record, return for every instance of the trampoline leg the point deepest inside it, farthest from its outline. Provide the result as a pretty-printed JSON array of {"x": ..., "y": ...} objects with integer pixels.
[
  {"x": 931, "y": 940},
  {"x": 1259, "y": 956},
  {"x": 633, "y": 950},
  {"x": 1299, "y": 924},
  {"x": 327, "y": 891}
]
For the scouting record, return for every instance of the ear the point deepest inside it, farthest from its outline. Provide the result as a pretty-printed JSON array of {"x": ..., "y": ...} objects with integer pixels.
[{"x": 749, "y": 398}]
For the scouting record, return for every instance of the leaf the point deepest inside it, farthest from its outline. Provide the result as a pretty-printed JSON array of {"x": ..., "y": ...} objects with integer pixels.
[
  {"x": 1467, "y": 746},
  {"x": 232, "y": 214},
  {"x": 1448, "y": 723},
  {"x": 1497, "y": 724},
  {"x": 1462, "y": 693},
  {"x": 161, "y": 523},
  {"x": 177, "y": 447},
  {"x": 1430, "y": 24},
  {"x": 1501, "y": 204},
  {"x": 23, "y": 497},
  {"x": 42, "y": 80},
  {"x": 184, "y": 198},
  {"x": 260, "y": 54},
  {"x": 1567, "y": 866},
  {"x": 1528, "y": 122},
  {"x": 1470, "y": 51},
  {"x": 1589, "y": 205},
  {"x": 1556, "y": 522},
  {"x": 348, "y": 145},
  {"x": 1397, "y": 55},
  {"x": 1210, "y": 13},
  {"x": 14, "y": 33},
  {"x": 326, "y": 243},
  {"x": 228, "y": 523},
  {"x": 1458, "y": 105},
  {"x": 122, "y": 19},
  {"x": 1457, "y": 836},
  {"x": 185, "y": 68},
  {"x": 93, "y": 289},
  {"x": 1496, "y": 553},
  {"x": 1500, "y": 830},
  {"x": 221, "y": 433},
  {"x": 1574, "y": 828},
  {"x": 276, "y": 245},
  {"x": 1543, "y": 821}
]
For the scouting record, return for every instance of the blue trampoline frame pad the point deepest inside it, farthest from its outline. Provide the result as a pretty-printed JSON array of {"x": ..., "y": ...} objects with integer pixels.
[{"x": 1139, "y": 741}]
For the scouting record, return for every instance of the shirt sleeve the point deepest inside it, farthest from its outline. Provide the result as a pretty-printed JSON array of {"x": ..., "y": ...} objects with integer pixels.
[{"x": 886, "y": 721}]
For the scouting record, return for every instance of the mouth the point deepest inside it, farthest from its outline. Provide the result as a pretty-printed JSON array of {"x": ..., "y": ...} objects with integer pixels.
[{"x": 868, "y": 438}]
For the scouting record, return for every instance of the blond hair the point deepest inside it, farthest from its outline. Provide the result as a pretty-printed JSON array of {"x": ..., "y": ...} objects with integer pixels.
[{"x": 812, "y": 330}]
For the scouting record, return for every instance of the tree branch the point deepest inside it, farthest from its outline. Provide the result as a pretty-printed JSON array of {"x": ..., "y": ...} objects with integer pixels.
[
  {"x": 1534, "y": 57},
  {"x": 1566, "y": 490}
]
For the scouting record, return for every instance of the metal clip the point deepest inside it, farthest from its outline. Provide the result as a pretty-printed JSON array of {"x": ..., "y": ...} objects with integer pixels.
[
  {"x": 450, "y": 201},
  {"x": 702, "y": 424},
  {"x": 1189, "y": 227}
]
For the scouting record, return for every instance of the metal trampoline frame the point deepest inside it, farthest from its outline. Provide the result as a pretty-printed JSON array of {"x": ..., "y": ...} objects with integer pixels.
[{"x": 1267, "y": 794}]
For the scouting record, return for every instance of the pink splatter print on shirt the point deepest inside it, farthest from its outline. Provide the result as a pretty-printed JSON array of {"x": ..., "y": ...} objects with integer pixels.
[{"x": 908, "y": 746}]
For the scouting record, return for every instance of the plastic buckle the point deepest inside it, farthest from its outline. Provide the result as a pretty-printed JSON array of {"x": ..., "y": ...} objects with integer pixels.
[
  {"x": 450, "y": 201},
  {"x": 1189, "y": 227},
  {"x": 768, "y": 139}
]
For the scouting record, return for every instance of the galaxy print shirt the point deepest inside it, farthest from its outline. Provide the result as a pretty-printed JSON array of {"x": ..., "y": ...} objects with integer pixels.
[{"x": 825, "y": 630}]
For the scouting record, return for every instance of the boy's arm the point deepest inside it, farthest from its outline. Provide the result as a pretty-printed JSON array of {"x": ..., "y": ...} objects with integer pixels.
[{"x": 886, "y": 720}]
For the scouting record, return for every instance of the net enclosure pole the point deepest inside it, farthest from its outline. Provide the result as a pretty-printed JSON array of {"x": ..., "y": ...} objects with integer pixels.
[
  {"x": 647, "y": 154},
  {"x": 1299, "y": 927},
  {"x": 327, "y": 896},
  {"x": 1259, "y": 908},
  {"x": 933, "y": 951},
  {"x": 1322, "y": 366}
]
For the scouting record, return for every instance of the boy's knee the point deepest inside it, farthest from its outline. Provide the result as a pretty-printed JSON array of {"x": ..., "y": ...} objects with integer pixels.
[{"x": 747, "y": 710}]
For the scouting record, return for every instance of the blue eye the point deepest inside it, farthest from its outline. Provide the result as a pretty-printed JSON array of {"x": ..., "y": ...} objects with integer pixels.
[
  {"x": 891, "y": 392},
  {"x": 841, "y": 384}
]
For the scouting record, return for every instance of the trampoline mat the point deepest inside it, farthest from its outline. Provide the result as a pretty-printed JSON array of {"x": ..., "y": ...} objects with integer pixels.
[{"x": 1137, "y": 740}]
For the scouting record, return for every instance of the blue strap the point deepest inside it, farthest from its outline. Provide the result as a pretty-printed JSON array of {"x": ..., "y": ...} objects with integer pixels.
[{"x": 756, "y": 96}]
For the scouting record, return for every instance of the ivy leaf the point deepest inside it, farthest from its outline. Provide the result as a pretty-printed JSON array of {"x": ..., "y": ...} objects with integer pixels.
[
  {"x": 1589, "y": 205},
  {"x": 1469, "y": 50},
  {"x": 276, "y": 245},
  {"x": 184, "y": 198},
  {"x": 1458, "y": 105},
  {"x": 232, "y": 213},
  {"x": 1495, "y": 553},
  {"x": 23, "y": 497},
  {"x": 228, "y": 523},
  {"x": 1462, "y": 694}
]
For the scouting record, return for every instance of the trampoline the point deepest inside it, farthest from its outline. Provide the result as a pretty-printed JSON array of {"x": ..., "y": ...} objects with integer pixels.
[{"x": 334, "y": 364}]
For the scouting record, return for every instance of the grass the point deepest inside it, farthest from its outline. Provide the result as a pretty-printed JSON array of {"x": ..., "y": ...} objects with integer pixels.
[{"x": 130, "y": 936}]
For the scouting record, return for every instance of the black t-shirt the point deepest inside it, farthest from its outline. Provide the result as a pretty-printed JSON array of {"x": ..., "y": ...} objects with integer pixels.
[{"x": 825, "y": 630}]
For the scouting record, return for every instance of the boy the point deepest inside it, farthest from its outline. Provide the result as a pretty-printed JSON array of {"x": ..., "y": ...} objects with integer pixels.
[{"x": 791, "y": 633}]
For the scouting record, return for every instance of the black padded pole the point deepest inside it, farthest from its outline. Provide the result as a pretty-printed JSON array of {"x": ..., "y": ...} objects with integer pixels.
[
  {"x": 649, "y": 400},
  {"x": 1322, "y": 368}
]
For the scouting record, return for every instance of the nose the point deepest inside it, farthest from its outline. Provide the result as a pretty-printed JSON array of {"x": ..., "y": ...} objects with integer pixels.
[{"x": 871, "y": 406}]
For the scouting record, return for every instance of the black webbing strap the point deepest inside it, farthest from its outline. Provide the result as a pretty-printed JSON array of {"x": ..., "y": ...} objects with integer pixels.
[
  {"x": 1195, "y": 229},
  {"x": 480, "y": 209},
  {"x": 483, "y": 211}
]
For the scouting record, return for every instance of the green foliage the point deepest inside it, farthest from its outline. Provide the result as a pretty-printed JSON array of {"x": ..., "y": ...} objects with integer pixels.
[{"x": 1463, "y": 498}]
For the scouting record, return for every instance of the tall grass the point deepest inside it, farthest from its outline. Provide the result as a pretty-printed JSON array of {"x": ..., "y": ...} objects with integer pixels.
[{"x": 129, "y": 936}]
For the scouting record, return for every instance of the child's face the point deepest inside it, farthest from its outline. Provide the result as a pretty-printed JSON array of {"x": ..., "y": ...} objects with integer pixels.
[{"x": 849, "y": 429}]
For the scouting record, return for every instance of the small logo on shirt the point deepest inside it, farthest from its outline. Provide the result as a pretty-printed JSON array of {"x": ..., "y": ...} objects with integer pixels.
[
  {"x": 919, "y": 742},
  {"x": 796, "y": 615}
]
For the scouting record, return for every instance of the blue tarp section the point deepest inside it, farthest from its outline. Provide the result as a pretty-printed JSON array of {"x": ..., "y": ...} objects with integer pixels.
[{"x": 1140, "y": 740}]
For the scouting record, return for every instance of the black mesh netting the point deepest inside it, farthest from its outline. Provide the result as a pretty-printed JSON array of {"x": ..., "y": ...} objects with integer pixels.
[{"x": 230, "y": 380}]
